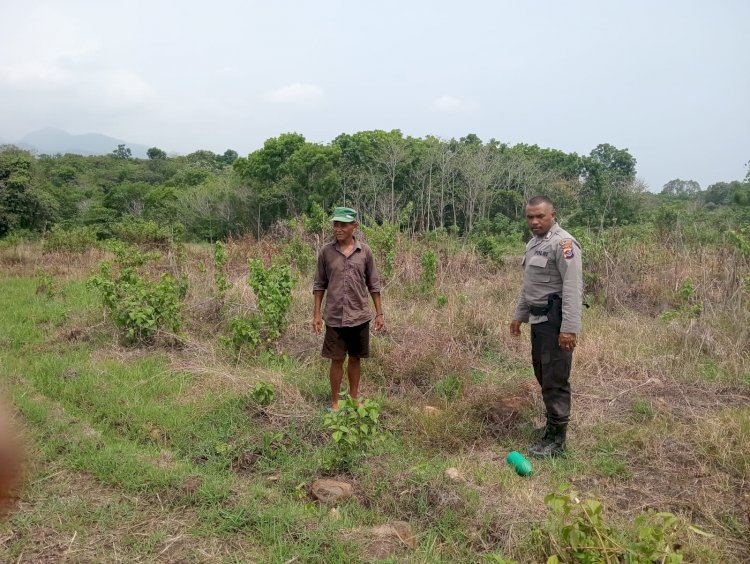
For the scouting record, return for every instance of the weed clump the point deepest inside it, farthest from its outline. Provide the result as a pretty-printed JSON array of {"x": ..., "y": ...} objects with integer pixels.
[
  {"x": 578, "y": 532},
  {"x": 139, "y": 305},
  {"x": 354, "y": 429},
  {"x": 73, "y": 240}
]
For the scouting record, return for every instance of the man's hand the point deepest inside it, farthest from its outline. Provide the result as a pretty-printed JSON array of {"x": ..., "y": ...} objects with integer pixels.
[
  {"x": 379, "y": 322},
  {"x": 515, "y": 328},
  {"x": 567, "y": 341},
  {"x": 317, "y": 324}
]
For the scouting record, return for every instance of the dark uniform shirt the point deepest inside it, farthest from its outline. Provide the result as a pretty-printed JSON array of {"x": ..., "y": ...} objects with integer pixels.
[
  {"x": 348, "y": 282},
  {"x": 552, "y": 265}
]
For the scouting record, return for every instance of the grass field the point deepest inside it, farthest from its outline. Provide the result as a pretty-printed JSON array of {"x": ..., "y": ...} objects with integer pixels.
[{"x": 161, "y": 453}]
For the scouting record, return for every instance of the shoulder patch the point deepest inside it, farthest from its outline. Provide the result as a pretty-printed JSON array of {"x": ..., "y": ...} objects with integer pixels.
[{"x": 567, "y": 248}]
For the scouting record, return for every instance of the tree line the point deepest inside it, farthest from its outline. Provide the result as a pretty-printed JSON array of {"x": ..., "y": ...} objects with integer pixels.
[{"x": 462, "y": 185}]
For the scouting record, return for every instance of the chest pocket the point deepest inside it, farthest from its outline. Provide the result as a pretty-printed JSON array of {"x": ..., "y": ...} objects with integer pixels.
[
  {"x": 537, "y": 269},
  {"x": 356, "y": 264}
]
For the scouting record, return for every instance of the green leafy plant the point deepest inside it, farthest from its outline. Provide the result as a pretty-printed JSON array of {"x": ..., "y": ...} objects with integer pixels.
[
  {"x": 578, "y": 532},
  {"x": 299, "y": 253},
  {"x": 273, "y": 290},
  {"x": 429, "y": 271},
  {"x": 220, "y": 271},
  {"x": 383, "y": 239},
  {"x": 243, "y": 331},
  {"x": 146, "y": 233},
  {"x": 354, "y": 430},
  {"x": 46, "y": 285},
  {"x": 689, "y": 305},
  {"x": 317, "y": 220},
  {"x": 263, "y": 393},
  {"x": 139, "y": 306},
  {"x": 73, "y": 240},
  {"x": 442, "y": 300}
]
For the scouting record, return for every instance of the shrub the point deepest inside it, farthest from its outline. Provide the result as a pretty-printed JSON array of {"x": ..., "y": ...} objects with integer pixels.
[
  {"x": 317, "y": 221},
  {"x": 243, "y": 331},
  {"x": 273, "y": 290},
  {"x": 429, "y": 271},
  {"x": 299, "y": 253},
  {"x": 383, "y": 239},
  {"x": 73, "y": 240},
  {"x": 147, "y": 234},
  {"x": 354, "y": 430},
  {"x": 220, "y": 270},
  {"x": 687, "y": 304},
  {"x": 578, "y": 532},
  {"x": 138, "y": 305}
]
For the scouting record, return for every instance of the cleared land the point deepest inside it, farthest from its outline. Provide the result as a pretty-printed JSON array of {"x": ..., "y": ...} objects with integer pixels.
[{"x": 160, "y": 454}]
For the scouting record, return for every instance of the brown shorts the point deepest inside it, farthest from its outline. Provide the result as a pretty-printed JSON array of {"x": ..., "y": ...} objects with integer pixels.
[{"x": 340, "y": 341}]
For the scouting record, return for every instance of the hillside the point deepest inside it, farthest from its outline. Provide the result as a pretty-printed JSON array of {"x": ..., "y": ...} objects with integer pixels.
[{"x": 52, "y": 141}]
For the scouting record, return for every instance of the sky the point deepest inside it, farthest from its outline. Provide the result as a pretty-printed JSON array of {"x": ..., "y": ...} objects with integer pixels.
[{"x": 667, "y": 80}]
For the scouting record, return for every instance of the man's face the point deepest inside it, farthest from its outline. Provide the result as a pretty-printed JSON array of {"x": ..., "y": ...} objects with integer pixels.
[
  {"x": 343, "y": 230},
  {"x": 540, "y": 219}
]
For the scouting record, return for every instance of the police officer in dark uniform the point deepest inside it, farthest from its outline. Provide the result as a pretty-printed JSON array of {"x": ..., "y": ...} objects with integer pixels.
[{"x": 550, "y": 300}]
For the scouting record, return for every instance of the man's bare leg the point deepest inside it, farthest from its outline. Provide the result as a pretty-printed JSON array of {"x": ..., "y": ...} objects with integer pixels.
[
  {"x": 335, "y": 374},
  {"x": 353, "y": 371}
]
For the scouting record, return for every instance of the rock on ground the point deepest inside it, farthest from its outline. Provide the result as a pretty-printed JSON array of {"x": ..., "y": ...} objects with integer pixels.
[{"x": 330, "y": 491}]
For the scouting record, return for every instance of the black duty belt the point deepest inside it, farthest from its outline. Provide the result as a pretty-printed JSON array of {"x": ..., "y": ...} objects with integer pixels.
[
  {"x": 539, "y": 310},
  {"x": 552, "y": 301}
]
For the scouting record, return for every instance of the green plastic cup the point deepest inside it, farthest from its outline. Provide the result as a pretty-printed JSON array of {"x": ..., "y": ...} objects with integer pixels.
[{"x": 519, "y": 463}]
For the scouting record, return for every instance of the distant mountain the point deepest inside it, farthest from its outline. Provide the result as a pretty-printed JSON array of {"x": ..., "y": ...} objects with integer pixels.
[{"x": 51, "y": 141}]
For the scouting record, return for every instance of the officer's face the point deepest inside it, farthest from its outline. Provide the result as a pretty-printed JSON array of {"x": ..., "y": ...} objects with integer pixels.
[{"x": 540, "y": 218}]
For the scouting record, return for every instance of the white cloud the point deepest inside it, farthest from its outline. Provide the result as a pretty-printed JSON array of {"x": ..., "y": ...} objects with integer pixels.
[
  {"x": 125, "y": 88},
  {"x": 296, "y": 93},
  {"x": 34, "y": 74},
  {"x": 449, "y": 103}
]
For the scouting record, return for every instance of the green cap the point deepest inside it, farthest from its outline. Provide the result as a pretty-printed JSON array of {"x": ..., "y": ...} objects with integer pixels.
[{"x": 347, "y": 215}]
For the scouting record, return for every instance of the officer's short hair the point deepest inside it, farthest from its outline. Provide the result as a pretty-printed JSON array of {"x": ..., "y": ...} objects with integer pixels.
[{"x": 539, "y": 200}]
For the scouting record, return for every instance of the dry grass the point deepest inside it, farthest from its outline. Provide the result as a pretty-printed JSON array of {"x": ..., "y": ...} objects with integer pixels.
[
  {"x": 643, "y": 399},
  {"x": 103, "y": 525}
]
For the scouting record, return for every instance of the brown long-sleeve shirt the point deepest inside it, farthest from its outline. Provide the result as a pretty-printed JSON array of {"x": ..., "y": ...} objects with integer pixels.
[{"x": 348, "y": 283}]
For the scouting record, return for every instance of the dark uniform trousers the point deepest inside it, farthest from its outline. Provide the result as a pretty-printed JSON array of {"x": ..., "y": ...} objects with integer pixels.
[{"x": 552, "y": 366}]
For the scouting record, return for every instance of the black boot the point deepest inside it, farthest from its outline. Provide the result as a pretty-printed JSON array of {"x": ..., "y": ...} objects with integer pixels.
[
  {"x": 541, "y": 431},
  {"x": 552, "y": 444}
]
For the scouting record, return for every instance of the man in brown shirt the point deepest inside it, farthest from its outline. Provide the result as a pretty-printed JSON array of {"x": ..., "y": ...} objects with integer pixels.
[{"x": 346, "y": 270}]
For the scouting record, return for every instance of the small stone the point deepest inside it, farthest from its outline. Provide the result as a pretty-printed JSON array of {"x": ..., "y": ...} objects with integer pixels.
[
  {"x": 334, "y": 514},
  {"x": 273, "y": 478},
  {"x": 385, "y": 540},
  {"x": 330, "y": 491},
  {"x": 430, "y": 410},
  {"x": 454, "y": 475}
]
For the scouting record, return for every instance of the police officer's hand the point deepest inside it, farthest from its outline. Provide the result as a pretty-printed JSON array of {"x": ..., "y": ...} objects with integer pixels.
[
  {"x": 317, "y": 324},
  {"x": 567, "y": 341},
  {"x": 515, "y": 328}
]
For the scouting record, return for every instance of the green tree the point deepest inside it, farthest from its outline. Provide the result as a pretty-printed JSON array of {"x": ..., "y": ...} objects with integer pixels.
[
  {"x": 22, "y": 206},
  {"x": 681, "y": 188},
  {"x": 154, "y": 153},
  {"x": 610, "y": 191},
  {"x": 122, "y": 152},
  {"x": 228, "y": 157}
]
